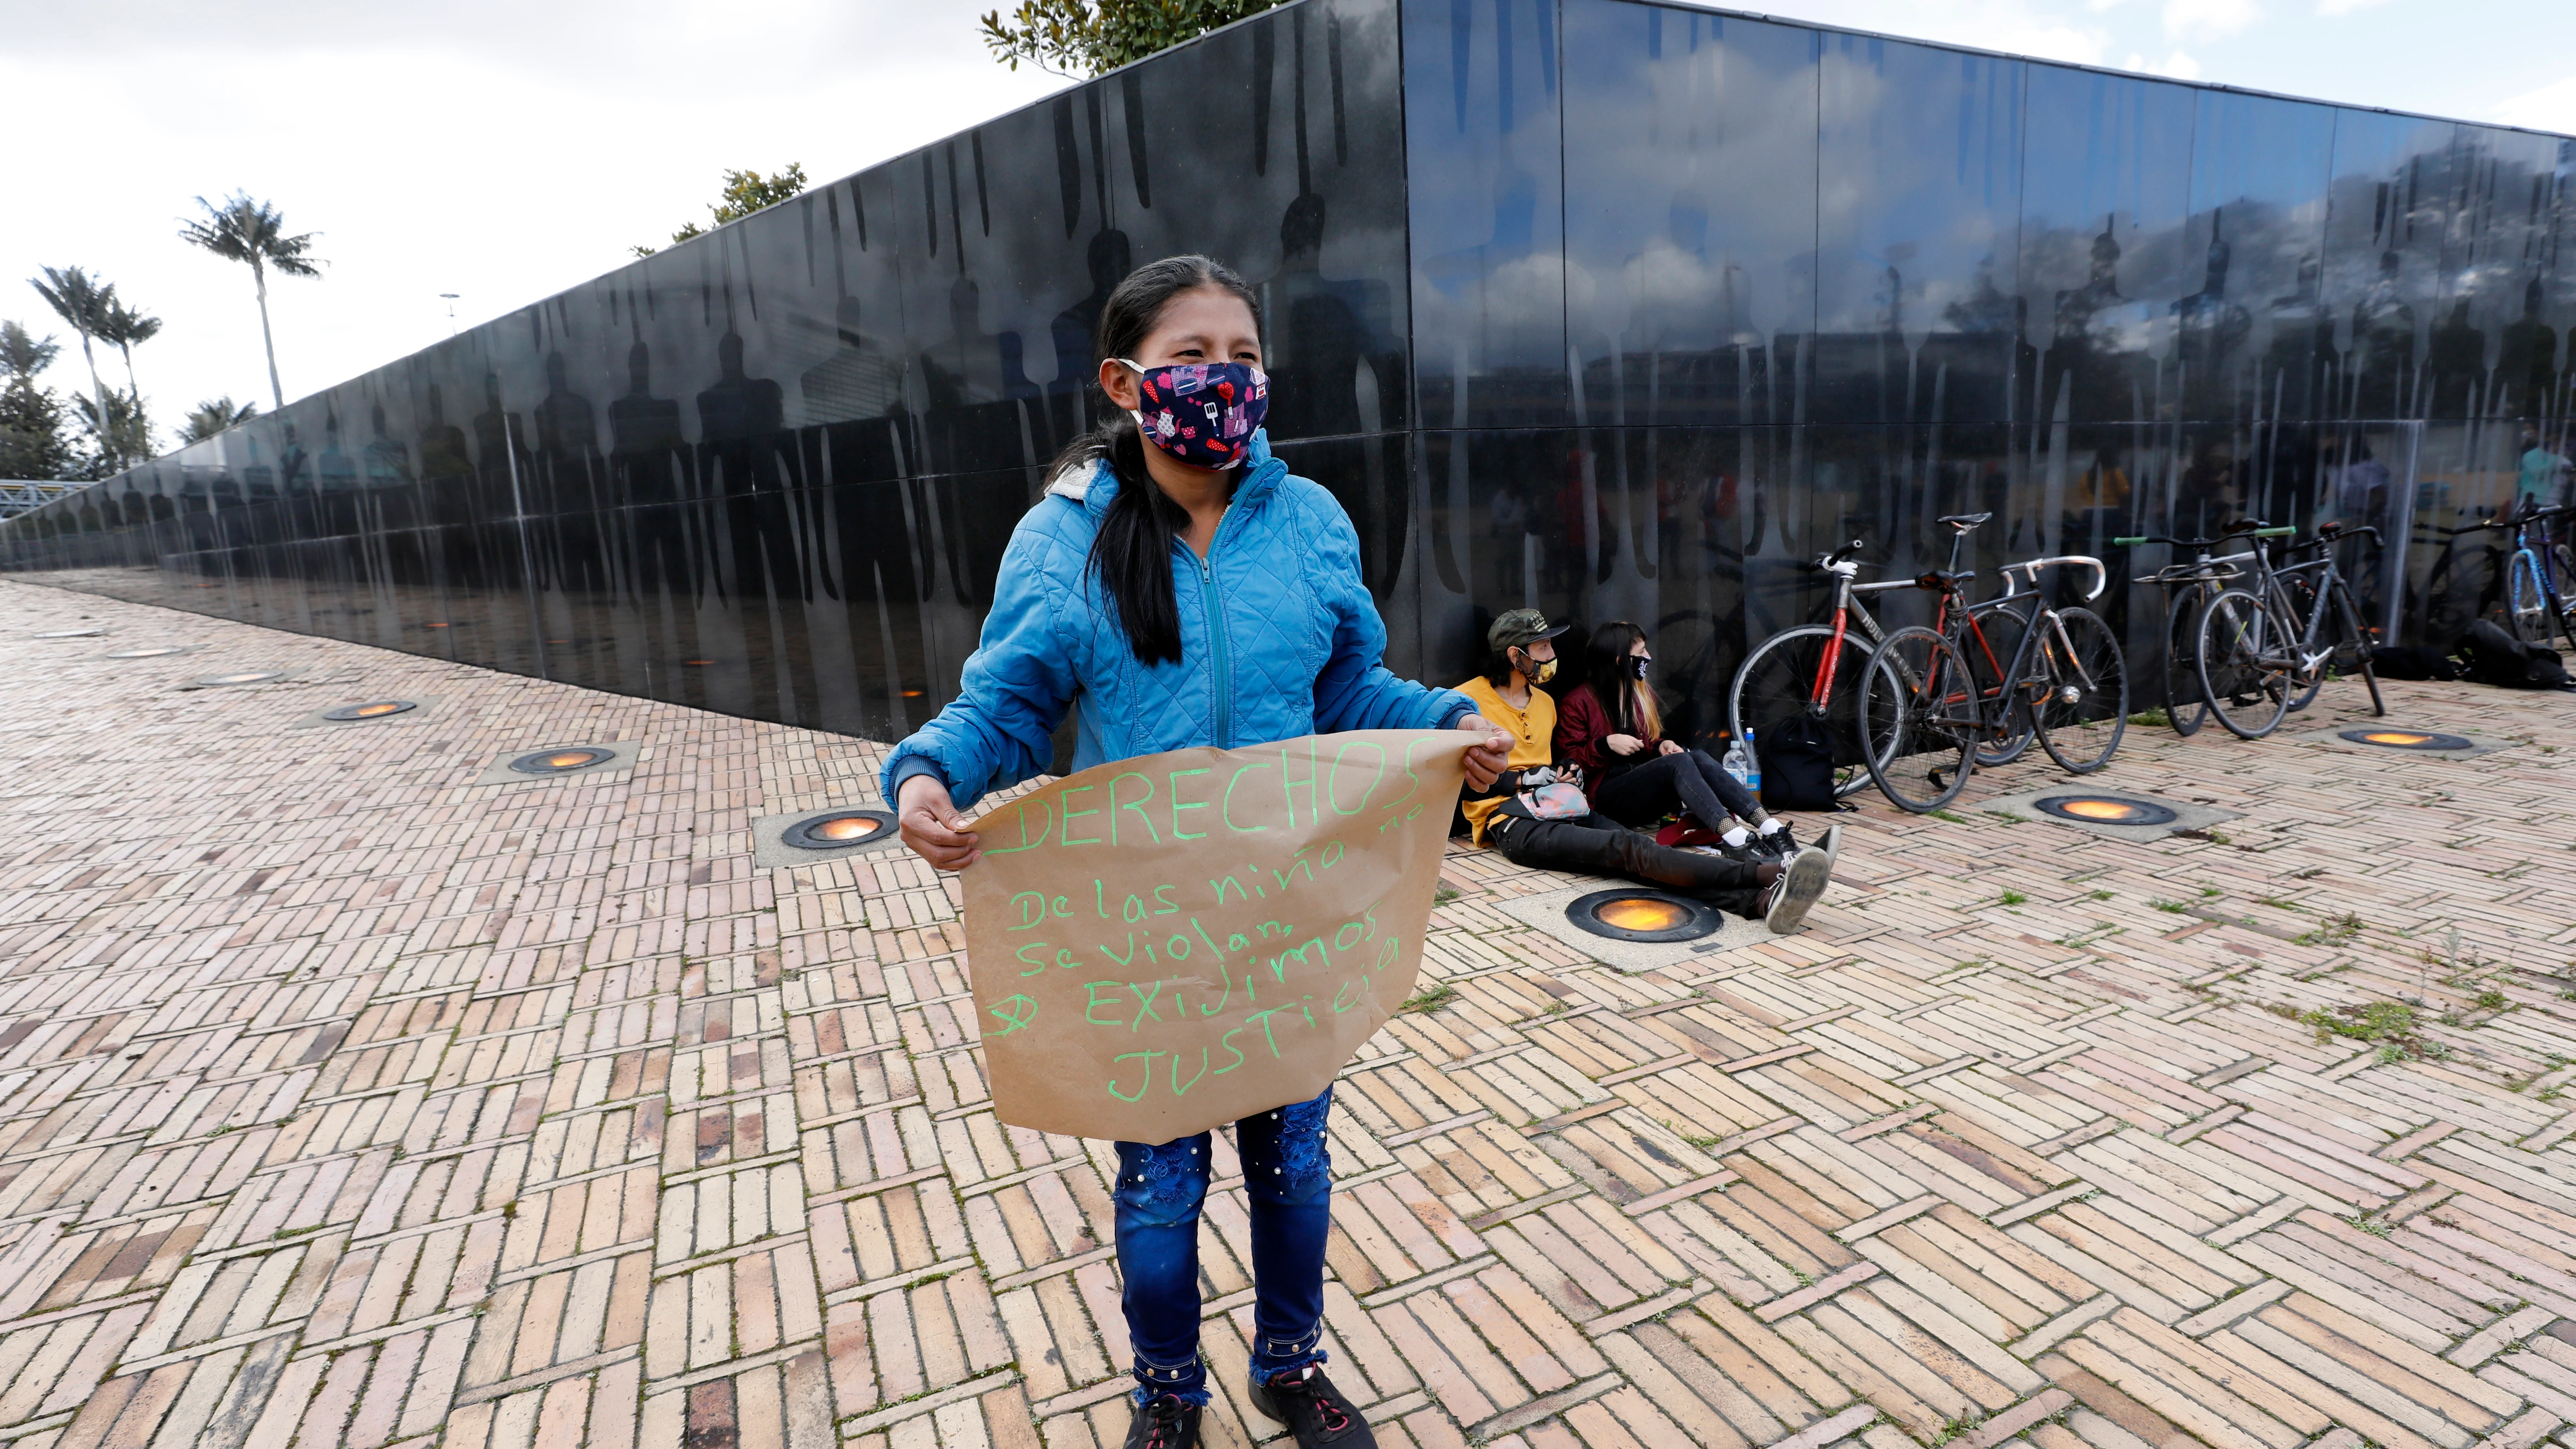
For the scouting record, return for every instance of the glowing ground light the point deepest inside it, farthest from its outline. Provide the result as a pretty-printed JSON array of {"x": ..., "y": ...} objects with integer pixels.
[
  {"x": 2106, "y": 810},
  {"x": 153, "y": 652},
  {"x": 1643, "y": 915},
  {"x": 237, "y": 678},
  {"x": 557, "y": 762},
  {"x": 839, "y": 829},
  {"x": 697, "y": 663},
  {"x": 441, "y": 624},
  {"x": 2408, "y": 739},
  {"x": 379, "y": 709},
  {"x": 70, "y": 633}
]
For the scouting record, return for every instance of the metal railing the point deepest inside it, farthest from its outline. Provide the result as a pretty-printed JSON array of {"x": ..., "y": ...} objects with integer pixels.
[{"x": 19, "y": 495}]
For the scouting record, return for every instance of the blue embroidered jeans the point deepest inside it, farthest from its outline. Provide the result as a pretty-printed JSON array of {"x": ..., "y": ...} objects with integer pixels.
[{"x": 1287, "y": 1173}]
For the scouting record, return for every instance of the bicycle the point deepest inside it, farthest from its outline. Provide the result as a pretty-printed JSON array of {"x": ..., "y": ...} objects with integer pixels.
[
  {"x": 2188, "y": 589},
  {"x": 2534, "y": 600},
  {"x": 1928, "y": 694},
  {"x": 1802, "y": 670},
  {"x": 2251, "y": 661}
]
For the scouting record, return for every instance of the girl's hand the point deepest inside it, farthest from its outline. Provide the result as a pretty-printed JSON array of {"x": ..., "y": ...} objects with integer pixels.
[
  {"x": 1624, "y": 744},
  {"x": 1671, "y": 747},
  {"x": 1485, "y": 760},
  {"x": 932, "y": 826}
]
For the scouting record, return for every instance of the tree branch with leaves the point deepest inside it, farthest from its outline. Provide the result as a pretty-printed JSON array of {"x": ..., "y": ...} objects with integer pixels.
[
  {"x": 744, "y": 193},
  {"x": 1081, "y": 38}
]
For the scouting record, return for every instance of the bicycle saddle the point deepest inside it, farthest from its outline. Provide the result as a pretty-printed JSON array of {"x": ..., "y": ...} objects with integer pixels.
[{"x": 1965, "y": 521}]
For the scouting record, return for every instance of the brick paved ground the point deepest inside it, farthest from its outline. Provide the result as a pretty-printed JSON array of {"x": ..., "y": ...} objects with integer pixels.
[{"x": 344, "y": 1101}]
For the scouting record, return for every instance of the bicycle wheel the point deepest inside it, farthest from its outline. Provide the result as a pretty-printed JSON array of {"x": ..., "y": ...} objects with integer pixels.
[
  {"x": 2185, "y": 709},
  {"x": 2244, "y": 672},
  {"x": 2360, "y": 646},
  {"x": 1918, "y": 713},
  {"x": 2081, "y": 720},
  {"x": 1778, "y": 679},
  {"x": 2526, "y": 603}
]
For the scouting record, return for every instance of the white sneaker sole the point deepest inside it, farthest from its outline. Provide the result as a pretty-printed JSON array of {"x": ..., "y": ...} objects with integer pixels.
[{"x": 1802, "y": 884}]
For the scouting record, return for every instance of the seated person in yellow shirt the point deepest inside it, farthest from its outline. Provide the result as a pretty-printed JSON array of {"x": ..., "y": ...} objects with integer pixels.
[{"x": 1524, "y": 657}]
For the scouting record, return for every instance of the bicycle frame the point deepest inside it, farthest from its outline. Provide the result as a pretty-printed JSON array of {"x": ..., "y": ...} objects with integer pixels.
[
  {"x": 2041, "y": 626},
  {"x": 2326, "y": 582},
  {"x": 1846, "y": 608}
]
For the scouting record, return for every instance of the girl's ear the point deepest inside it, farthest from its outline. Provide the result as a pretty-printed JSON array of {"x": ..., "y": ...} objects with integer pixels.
[{"x": 1119, "y": 381}]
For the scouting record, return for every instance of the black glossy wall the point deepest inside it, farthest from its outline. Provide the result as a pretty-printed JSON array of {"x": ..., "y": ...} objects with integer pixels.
[{"x": 1616, "y": 309}]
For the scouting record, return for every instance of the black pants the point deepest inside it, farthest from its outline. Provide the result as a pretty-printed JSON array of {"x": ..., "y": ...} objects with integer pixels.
[
  {"x": 1643, "y": 794},
  {"x": 1599, "y": 845}
]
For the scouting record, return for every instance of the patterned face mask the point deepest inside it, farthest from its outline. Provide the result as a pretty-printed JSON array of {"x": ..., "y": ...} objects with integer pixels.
[{"x": 1201, "y": 413}]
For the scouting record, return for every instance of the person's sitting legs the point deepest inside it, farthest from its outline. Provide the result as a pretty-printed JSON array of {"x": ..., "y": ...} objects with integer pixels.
[
  {"x": 1776, "y": 892},
  {"x": 1694, "y": 781}
]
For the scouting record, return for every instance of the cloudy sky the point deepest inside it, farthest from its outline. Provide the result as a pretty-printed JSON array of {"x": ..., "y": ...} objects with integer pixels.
[{"x": 506, "y": 149}]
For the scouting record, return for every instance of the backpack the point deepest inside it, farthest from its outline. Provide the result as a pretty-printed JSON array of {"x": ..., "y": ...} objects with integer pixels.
[
  {"x": 1797, "y": 764},
  {"x": 2496, "y": 657},
  {"x": 2412, "y": 661}
]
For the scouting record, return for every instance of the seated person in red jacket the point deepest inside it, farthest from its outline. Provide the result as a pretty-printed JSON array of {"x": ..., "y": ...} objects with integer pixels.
[
  {"x": 1524, "y": 656},
  {"x": 1612, "y": 726}
]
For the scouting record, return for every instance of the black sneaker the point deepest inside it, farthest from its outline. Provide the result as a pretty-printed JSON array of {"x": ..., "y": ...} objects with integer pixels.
[
  {"x": 1165, "y": 1421},
  {"x": 1749, "y": 853},
  {"x": 1800, "y": 884},
  {"x": 1780, "y": 845},
  {"x": 1832, "y": 846},
  {"x": 1313, "y": 1410}
]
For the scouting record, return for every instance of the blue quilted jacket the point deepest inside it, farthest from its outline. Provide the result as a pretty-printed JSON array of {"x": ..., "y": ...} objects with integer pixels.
[{"x": 1278, "y": 639}]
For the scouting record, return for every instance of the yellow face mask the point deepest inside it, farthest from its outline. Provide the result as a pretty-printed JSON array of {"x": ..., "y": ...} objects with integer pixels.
[{"x": 1537, "y": 671}]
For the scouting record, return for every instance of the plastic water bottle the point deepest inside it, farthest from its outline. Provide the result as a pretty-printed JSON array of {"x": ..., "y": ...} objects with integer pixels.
[
  {"x": 1752, "y": 766},
  {"x": 1739, "y": 763}
]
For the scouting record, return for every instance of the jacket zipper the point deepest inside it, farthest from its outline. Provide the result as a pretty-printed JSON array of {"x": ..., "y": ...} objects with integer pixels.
[
  {"x": 1224, "y": 667},
  {"x": 1216, "y": 642}
]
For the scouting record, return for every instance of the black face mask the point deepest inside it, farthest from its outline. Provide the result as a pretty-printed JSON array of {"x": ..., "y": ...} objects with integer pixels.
[{"x": 1638, "y": 664}]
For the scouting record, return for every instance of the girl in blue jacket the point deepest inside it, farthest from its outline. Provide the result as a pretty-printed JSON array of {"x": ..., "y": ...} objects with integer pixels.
[{"x": 1177, "y": 586}]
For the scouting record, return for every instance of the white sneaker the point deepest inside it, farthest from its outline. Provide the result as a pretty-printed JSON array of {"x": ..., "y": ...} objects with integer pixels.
[{"x": 1800, "y": 884}]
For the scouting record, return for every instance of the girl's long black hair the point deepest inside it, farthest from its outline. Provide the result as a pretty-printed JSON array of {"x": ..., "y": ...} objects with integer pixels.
[
  {"x": 1132, "y": 554},
  {"x": 1631, "y": 701}
]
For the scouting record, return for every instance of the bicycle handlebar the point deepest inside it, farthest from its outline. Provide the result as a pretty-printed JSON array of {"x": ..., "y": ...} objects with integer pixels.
[
  {"x": 1826, "y": 561},
  {"x": 2030, "y": 570}
]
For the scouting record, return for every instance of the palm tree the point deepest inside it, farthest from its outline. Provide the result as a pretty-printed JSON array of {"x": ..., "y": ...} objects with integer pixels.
[
  {"x": 243, "y": 230},
  {"x": 84, "y": 302},
  {"x": 128, "y": 328},
  {"x": 214, "y": 416}
]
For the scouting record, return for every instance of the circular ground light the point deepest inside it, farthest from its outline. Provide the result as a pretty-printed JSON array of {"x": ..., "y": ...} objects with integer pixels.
[
  {"x": 152, "y": 651},
  {"x": 560, "y": 762},
  {"x": 2106, "y": 810},
  {"x": 217, "y": 681},
  {"x": 378, "y": 709},
  {"x": 2408, "y": 739},
  {"x": 70, "y": 633},
  {"x": 1643, "y": 915},
  {"x": 839, "y": 830}
]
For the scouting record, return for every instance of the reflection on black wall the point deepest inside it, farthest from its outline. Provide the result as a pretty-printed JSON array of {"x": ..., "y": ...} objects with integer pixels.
[{"x": 1615, "y": 309}]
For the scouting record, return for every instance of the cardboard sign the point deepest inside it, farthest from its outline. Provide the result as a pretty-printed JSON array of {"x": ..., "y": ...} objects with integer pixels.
[{"x": 1169, "y": 943}]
